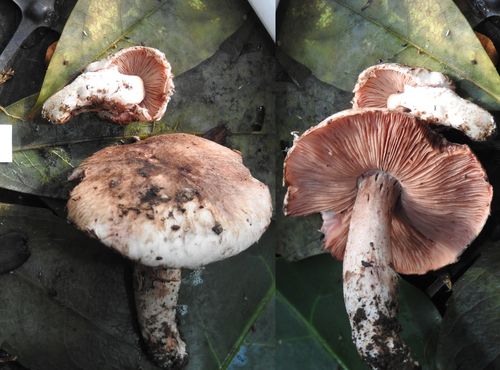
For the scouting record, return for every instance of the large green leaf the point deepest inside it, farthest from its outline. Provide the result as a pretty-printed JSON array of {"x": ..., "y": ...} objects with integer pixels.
[
  {"x": 338, "y": 39},
  {"x": 470, "y": 333},
  {"x": 188, "y": 32},
  {"x": 313, "y": 330},
  {"x": 70, "y": 306}
]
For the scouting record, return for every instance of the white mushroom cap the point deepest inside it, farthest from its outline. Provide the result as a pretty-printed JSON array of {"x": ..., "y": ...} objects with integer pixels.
[{"x": 171, "y": 200}]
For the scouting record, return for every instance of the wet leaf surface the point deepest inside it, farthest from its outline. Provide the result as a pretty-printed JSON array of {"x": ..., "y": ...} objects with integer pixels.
[
  {"x": 70, "y": 306},
  {"x": 339, "y": 39},
  {"x": 470, "y": 333},
  {"x": 312, "y": 326}
]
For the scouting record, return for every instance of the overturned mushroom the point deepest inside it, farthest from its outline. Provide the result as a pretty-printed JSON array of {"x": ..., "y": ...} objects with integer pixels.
[
  {"x": 395, "y": 197},
  {"x": 427, "y": 95},
  {"x": 168, "y": 202},
  {"x": 135, "y": 84}
]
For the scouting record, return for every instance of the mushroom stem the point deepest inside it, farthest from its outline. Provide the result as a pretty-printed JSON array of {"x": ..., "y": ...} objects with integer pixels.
[
  {"x": 370, "y": 280},
  {"x": 102, "y": 90},
  {"x": 156, "y": 292},
  {"x": 442, "y": 105}
]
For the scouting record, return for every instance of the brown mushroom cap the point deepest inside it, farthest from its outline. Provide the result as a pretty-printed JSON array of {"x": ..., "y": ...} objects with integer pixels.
[
  {"x": 445, "y": 197},
  {"x": 375, "y": 84},
  {"x": 153, "y": 68},
  {"x": 171, "y": 200}
]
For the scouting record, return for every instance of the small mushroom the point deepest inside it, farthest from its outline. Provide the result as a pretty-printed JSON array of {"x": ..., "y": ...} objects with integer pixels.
[
  {"x": 425, "y": 94},
  {"x": 168, "y": 202},
  {"x": 395, "y": 197},
  {"x": 135, "y": 84}
]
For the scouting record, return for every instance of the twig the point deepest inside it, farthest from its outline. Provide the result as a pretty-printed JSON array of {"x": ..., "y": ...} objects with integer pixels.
[
  {"x": 10, "y": 115},
  {"x": 4, "y": 76},
  {"x": 366, "y": 5}
]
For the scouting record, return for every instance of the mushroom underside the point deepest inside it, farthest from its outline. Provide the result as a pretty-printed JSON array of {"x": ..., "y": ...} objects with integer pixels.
[
  {"x": 375, "y": 84},
  {"x": 395, "y": 197},
  {"x": 439, "y": 180},
  {"x": 428, "y": 95},
  {"x": 153, "y": 68},
  {"x": 134, "y": 84}
]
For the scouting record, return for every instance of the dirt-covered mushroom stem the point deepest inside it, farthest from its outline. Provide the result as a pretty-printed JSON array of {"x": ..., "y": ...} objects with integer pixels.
[
  {"x": 443, "y": 106},
  {"x": 156, "y": 292},
  {"x": 95, "y": 91},
  {"x": 370, "y": 280}
]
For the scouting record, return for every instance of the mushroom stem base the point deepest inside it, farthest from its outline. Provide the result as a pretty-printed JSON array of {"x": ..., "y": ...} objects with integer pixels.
[
  {"x": 156, "y": 292},
  {"x": 370, "y": 281}
]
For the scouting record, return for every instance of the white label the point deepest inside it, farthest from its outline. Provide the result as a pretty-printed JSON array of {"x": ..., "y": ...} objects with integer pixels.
[{"x": 5, "y": 143}]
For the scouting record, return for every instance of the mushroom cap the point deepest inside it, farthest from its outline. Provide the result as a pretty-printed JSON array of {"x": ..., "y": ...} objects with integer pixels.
[
  {"x": 375, "y": 84},
  {"x": 153, "y": 68},
  {"x": 171, "y": 200},
  {"x": 445, "y": 195}
]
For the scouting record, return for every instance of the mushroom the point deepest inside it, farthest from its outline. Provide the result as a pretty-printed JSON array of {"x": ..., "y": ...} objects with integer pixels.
[
  {"x": 135, "y": 84},
  {"x": 428, "y": 95},
  {"x": 168, "y": 202},
  {"x": 395, "y": 197}
]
